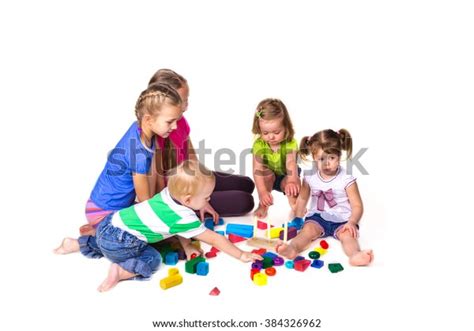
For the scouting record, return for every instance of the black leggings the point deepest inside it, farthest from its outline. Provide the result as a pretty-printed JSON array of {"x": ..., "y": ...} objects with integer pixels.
[{"x": 232, "y": 195}]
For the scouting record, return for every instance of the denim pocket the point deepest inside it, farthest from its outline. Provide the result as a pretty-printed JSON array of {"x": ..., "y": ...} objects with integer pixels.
[{"x": 118, "y": 245}]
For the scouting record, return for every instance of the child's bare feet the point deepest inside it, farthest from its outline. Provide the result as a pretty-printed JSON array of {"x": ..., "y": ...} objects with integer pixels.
[
  {"x": 87, "y": 230},
  {"x": 261, "y": 211},
  {"x": 116, "y": 274},
  {"x": 362, "y": 258},
  {"x": 69, "y": 245},
  {"x": 286, "y": 250}
]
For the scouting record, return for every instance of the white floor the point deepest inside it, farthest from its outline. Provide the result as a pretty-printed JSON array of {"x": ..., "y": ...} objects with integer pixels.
[{"x": 313, "y": 294}]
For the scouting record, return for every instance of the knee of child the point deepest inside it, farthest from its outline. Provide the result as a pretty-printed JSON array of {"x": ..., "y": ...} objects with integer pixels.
[
  {"x": 312, "y": 231},
  {"x": 155, "y": 263}
]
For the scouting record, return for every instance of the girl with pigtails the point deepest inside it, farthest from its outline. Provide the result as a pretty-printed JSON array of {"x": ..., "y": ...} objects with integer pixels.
[{"x": 336, "y": 206}]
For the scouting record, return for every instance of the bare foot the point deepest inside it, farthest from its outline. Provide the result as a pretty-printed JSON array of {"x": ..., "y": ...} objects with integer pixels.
[
  {"x": 69, "y": 245},
  {"x": 116, "y": 274},
  {"x": 286, "y": 250},
  {"x": 362, "y": 258},
  {"x": 87, "y": 230},
  {"x": 261, "y": 211}
]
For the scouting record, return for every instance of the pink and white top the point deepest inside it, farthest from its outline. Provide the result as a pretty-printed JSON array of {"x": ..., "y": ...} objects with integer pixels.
[
  {"x": 329, "y": 197},
  {"x": 179, "y": 138}
]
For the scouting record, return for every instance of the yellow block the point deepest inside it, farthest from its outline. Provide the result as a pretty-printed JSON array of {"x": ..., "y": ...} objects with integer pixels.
[
  {"x": 173, "y": 271},
  {"x": 274, "y": 232},
  {"x": 320, "y": 250},
  {"x": 260, "y": 279},
  {"x": 171, "y": 281}
]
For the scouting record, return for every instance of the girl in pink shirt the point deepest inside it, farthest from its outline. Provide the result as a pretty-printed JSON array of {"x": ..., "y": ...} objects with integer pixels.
[{"x": 232, "y": 195}]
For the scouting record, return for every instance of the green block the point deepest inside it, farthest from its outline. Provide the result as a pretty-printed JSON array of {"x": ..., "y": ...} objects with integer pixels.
[
  {"x": 314, "y": 255},
  {"x": 335, "y": 267},
  {"x": 190, "y": 266},
  {"x": 267, "y": 262}
]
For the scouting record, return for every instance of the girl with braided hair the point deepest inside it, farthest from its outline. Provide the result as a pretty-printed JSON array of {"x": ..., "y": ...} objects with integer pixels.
[
  {"x": 124, "y": 178},
  {"x": 336, "y": 206}
]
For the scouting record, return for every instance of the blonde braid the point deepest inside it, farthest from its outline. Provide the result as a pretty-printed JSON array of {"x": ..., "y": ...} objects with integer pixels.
[{"x": 151, "y": 99}]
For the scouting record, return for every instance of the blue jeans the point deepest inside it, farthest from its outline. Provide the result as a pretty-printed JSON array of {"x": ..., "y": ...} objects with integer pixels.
[{"x": 121, "y": 247}]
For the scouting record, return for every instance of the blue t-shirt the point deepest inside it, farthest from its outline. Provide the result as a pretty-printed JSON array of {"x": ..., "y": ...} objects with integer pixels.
[{"x": 114, "y": 189}]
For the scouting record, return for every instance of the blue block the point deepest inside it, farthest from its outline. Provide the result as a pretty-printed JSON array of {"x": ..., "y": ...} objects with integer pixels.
[
  {"x": 202, "y": 268},
  {"x": 210, "y": 220},
  {"x": 209, "y": 223},
  {"x": 171, "y": 258},
  {"x": 270, "y": 255},
  {"x": 317, "y": 264},
  {"x": 221, "y": 233},
  {"x": 290, "y": 264},
  {"x": 242, "y": 230},
  {"x": 297, "y": 222}
]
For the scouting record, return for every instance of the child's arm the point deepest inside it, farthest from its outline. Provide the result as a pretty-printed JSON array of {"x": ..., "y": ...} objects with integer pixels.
[
  {"x": 189, "y": 249},
  {"x": 221, "y": 243},
  {"x": 259, "y": 173},
  {"x": 357, "y": 209},
  {"x": 293, "y": 183},
  {"x": 302, "y": 200},
  {"x": 142, "y": 187}
]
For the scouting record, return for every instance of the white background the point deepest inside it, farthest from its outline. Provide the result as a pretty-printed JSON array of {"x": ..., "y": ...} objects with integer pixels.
[{"x": 398, "y": 75}]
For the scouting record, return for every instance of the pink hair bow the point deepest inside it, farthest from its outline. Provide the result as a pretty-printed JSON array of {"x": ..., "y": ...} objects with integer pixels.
[{"x": 327, "y": 196}]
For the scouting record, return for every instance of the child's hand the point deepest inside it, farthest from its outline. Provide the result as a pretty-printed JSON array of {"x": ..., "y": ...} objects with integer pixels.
[
  {"x": 352, "y": 228},
  {"x": 266, "y": 199},
  {"x": 249, "y": 257},
  {"x": 207, "y": 209},
  {"x": 292, "y": 189},
  {"x": 190, "y": 249}
]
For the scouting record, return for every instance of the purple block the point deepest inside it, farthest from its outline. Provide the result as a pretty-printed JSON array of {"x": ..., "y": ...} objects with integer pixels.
[
  {"x": 181, "y": 254},
  {"x": 278, "y": 261},
  {"x": 291, "y": 233},
  {"x": 298, "y": 258},
  {"x": 257, "y": 265}
]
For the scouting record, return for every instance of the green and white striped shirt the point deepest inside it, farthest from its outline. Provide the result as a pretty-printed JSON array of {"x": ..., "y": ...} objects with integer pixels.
[{"x": 158, "y": 218}]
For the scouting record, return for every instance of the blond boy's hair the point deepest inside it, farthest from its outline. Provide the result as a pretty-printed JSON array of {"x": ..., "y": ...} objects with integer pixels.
[{"x": 188, "y": 178}]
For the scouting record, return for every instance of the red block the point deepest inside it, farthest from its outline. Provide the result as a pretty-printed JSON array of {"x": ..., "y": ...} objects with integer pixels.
[
  {"x": 210, "y": 254},
  {"x": 302, "y": 265},
  {"x": 214, "y": 250},
  {"x": 259, "y": 251},
  {"x": 253, "y": 272},
  {"x": 215, "y": 291},
  {"x": 270, "y": 271},
  {"x": 194, "y": 255},
  {"x": 324, "y": 244},
  {"x": 235, "y": 239},
  {"x": 263, "y": 225}
]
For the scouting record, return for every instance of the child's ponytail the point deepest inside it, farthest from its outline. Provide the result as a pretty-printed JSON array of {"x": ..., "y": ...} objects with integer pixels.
[
  {"x": 305, "y": 147},
  {"x": 346, "y": 142}
]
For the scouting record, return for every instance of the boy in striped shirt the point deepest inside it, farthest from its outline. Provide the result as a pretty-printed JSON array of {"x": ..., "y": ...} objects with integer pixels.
[{"x": 124, "y": 237}]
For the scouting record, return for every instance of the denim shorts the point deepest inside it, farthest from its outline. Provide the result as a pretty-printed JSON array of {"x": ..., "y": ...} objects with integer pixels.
[
  {"x": 329, "y": 228},
  {"x": 279, "y": 179}
]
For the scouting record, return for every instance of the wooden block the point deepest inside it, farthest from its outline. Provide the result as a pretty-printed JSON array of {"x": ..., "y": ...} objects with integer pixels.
[{"x": 262, "y": 243}]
